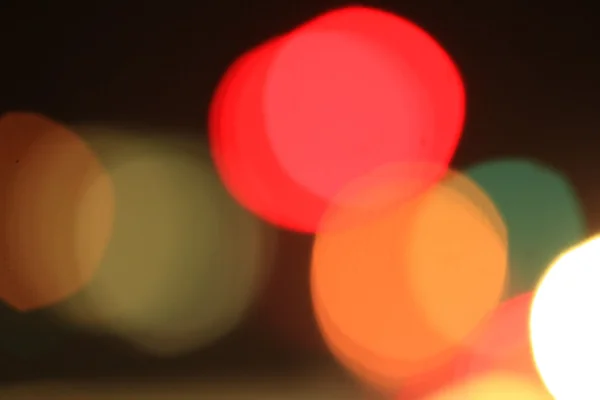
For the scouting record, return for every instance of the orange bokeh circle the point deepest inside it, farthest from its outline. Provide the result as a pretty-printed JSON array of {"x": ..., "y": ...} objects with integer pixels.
[
  {"x": 395, "y": 295},
  {"x": 57, "y": 205}
]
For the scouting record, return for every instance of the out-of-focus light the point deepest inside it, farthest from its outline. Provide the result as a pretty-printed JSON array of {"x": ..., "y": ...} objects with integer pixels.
[
  {"x": 503, "y": 342},
  {"x": 243, "y": 154},
  {"x": 500, "y": 343},
  {"x": 395, "y": 295},
  {"x": 494, "y": 386},
  {"x": 357, "y": 88},
  {"x": 294, "y": 121},
  {"x": 564, "y": 323},
  {"x": 57, "y": 208},
  {"x": 185, "y": 261},
  {"x": 541, "y": 211}
]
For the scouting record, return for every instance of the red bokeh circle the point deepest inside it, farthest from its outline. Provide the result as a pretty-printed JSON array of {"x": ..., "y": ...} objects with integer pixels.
[
  {"x": 285, "y": 159},
  {"x": 356, "y": 89},
  {"x": 242, "y": 154}
]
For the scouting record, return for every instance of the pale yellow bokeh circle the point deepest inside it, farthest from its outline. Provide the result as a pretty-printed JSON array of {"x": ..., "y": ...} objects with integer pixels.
[{"x": 185, "y": 262}]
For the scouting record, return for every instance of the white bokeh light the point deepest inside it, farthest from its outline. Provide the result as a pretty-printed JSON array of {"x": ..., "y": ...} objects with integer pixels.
[{"x": 564, "y": 324}]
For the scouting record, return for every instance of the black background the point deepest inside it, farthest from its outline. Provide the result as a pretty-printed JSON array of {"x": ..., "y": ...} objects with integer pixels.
[{"x": 532, "y": 74}]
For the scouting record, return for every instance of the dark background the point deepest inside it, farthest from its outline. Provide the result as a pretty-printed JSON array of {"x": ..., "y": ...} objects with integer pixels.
[{"x": 532, "y": 75}]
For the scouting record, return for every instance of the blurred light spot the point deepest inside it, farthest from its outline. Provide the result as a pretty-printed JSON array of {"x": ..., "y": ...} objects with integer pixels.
[
  {"x": 564, "y": 323},
  {"x": 395, "y": 295},
  {"x": 541, "y": 211},
  {"x": 449, "y": 239},
  {"x": 57, "y": 205},
  {"x": 500, "y": 343},
  {"x": 185, "y": 261},
  {"x": 358, "y": 88},
  {"x": 468, "y": 188},
  {"x": 243, "y": 154},
  {"x": 297, "y": 119},
  {"x": 494, "y": 386},
  {"x": 503, "y": 342}
]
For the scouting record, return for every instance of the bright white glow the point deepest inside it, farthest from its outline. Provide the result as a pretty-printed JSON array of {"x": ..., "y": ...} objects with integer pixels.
[{"x": 564, "y": 324}]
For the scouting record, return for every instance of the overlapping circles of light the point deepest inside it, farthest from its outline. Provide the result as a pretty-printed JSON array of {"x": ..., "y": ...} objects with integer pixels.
[
  {"x": 297, "y": 119},
  {"x": 393, "y": 296},
  {"x": 185, "y": 261}
]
